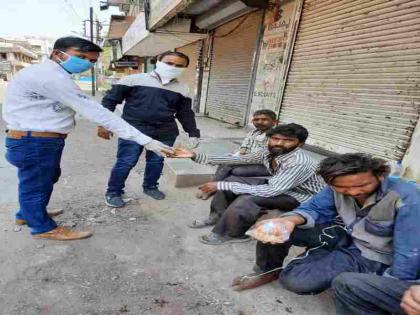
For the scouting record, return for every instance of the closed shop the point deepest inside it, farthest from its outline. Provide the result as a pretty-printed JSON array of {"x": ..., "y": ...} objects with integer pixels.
[
  {"x": 231, "y": 70},
  {"x": 354, "y": 80}
]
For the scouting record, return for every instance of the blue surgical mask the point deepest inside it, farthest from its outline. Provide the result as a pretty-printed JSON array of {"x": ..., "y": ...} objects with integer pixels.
[{"x": 75, "y": 64}]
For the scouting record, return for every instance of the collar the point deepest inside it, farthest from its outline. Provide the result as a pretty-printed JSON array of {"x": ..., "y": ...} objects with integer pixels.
[
  {"x": 156, "y": 75},
  {"x": 280, "y": 157},
  {"x": 377, "y": 195},
  {"x": 258, "y": 132},
  {"x": 382, "y": 189},
  {"x": 56, "y": 66}
]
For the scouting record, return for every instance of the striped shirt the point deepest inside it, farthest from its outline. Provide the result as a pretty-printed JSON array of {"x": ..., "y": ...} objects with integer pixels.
[
  {"x": 254, "y": 141},
  {"x": 295, "y": 174}
]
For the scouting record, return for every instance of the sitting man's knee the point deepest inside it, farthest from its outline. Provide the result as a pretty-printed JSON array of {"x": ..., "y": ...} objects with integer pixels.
[
  {"x": 293, "y": 283},
  {"x": 299, "y": 282},
  {"x": 347, "y": 280}
]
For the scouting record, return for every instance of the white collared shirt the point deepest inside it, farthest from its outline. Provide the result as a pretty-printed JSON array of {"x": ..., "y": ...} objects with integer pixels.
[{"x": 44, "y": 98}]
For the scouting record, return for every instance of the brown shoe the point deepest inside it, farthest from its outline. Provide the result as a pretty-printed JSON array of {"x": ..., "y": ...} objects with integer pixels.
[
  {"x": 52, "y": 213},
  {"x": 254, "y": 280},
  {"x": 64, "y": 234}
]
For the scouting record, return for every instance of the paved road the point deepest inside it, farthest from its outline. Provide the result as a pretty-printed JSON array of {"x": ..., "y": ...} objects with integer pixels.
[{"x": 142, "y": 259}]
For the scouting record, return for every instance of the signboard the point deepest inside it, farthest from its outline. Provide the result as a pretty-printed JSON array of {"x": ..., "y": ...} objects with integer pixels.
[
  {"x": 5, "y": 66},
  {"x": 126, "y": 64},
  {"x": 277, "y": 25},
  {"x": 135, "y": 33},
  {"x": 160, "y": 8}
]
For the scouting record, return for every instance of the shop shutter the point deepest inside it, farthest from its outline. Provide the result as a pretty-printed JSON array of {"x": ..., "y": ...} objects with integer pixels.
[
  {"x": 231, "y": 69},
  {"x": 354, "y": 80},
  {"x": 190, "y": 75}
]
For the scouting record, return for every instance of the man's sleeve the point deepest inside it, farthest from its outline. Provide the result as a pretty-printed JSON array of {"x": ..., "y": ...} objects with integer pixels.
[
  {"x": 290, "y": 177},
  {"x": 319, "y": 209},
  {"x": 406, "y": 240},
  {"x": 246, "y": 143},
  {"x": 186, "y": 117},
  {"x": 252, "y": 158},
  {"x": 116, "y": 95},
  {"x": 68, "y": 93}
]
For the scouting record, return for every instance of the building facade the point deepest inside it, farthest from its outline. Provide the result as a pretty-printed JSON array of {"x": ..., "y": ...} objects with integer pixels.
[
  {"x": 347, "y": 70},
  {"x": 14, "y": 57}
]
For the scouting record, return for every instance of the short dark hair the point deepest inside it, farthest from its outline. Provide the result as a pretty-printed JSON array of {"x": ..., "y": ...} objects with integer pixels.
[
  {"x": 266, "y": 112},
  {"x": 351, "y": 163},
  {"x": 78, "y": 43},
  {"x": 175, "y": 53},
  {"x": 290, "y": 130}
]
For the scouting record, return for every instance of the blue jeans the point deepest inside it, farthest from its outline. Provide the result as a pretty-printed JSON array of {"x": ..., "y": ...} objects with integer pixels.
[
  {"x": 314, "y": 271},
  {"x": 127, "y": 157},
  {"x": 38, "y": 164},
  {"x": 368, "y": 294}
]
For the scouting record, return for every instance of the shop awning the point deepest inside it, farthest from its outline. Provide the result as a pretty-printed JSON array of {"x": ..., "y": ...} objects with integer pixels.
[
  {"x": 119, "y": 25},
  {"x": 140, "y": 42}
]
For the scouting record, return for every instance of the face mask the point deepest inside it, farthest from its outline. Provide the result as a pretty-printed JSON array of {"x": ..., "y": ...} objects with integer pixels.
[
  {"x": 167, "y": 72},
  {"x": 75, "y": 64}
]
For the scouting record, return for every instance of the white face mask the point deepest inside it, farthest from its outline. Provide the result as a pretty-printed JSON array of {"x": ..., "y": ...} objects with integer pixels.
[{"x": 167, "y": 72}]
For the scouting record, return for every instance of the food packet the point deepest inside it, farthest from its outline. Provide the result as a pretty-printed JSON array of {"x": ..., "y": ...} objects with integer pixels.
[{"x": 269, "y": 232}]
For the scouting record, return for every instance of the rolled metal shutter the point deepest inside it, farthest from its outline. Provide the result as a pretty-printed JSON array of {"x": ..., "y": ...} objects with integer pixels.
[
  {"x": 231, "y": 69},
  {"x": 354, "y": 80},
  {"x": 189, "y": 76}
]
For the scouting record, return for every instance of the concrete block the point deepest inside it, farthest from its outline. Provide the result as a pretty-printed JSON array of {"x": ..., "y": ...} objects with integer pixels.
[{"x": 185, "y": 172}]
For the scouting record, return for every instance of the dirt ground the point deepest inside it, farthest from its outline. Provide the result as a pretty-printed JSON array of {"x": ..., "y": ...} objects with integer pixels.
[{"x": 142, "y": 259}]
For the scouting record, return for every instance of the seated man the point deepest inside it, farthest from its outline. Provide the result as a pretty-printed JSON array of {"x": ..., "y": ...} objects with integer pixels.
[
  {"x": 240, "y": 201},
  {"x": 255, "y": 140},
  {"x": 379, "y": 232},
  {"x": 358, "y": 293}
]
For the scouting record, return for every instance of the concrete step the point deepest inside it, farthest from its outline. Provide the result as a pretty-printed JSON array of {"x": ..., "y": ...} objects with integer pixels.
[{"x": 185, "y": 172}]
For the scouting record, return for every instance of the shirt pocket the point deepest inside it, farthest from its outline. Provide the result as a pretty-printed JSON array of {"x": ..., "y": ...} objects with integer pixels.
[{"x": 380, "y": 219}]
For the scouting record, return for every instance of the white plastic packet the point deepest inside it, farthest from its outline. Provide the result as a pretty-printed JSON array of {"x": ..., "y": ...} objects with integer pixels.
[{"x": 269, "y": 232}]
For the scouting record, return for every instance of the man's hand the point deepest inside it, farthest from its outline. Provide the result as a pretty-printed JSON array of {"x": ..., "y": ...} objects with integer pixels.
[
  {"x": 104, "y": 134},
  {"x": 278, "y": 225},
  {"x": 208, "y": 188},
  {"x": 411, "y": 300},
  {"x": 183, "y": 153},
  {"x": 159, "y": 148}
]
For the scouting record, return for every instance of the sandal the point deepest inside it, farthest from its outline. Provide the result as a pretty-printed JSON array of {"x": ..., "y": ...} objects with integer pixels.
[
  {"x": 216, "y": 239},
  {"x": 198, "y": 224}
]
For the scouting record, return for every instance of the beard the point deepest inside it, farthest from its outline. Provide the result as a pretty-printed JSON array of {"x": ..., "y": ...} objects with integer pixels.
[{"x": 275, "y": 150}]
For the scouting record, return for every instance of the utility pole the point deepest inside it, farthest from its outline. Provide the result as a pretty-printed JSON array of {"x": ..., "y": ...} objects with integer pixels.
[{"x": 91, "y": 39}]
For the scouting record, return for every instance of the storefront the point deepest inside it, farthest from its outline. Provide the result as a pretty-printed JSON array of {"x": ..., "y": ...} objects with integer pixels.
[
  {"x": 233, "y": 56},
  {"x": 191, "y": 74},
  {"x": 355, "y": 75}
]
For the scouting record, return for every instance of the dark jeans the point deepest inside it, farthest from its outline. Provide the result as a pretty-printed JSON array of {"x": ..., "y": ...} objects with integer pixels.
[
  {"x": 252, "y": 170},
  {"x": 237, "y": 213},
  {"x": 314, "y": 271},
  {"x": 127, "y": 157},
  {"x": 367, "y": 294},
  {"x": 38, "y": 164}
]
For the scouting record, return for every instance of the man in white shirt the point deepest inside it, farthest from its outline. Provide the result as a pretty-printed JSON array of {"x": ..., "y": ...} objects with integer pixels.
[{"x": 39, "y": 109}]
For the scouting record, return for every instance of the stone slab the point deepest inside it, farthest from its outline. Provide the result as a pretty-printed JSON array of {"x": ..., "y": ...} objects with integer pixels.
[{"x": 185, "y": 172}]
